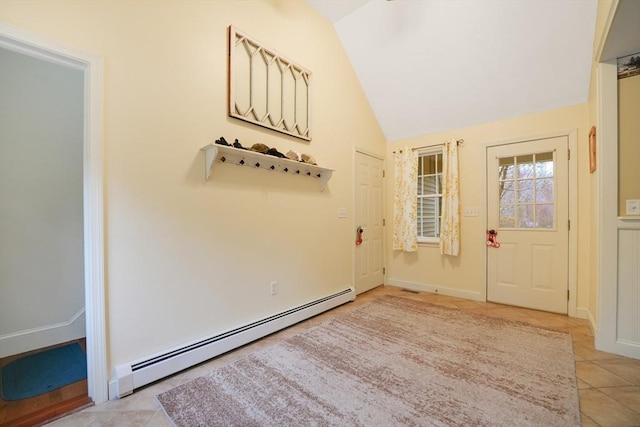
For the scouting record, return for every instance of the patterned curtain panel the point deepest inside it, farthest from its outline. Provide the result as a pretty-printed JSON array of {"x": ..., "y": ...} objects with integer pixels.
[
  {"x": 450, "y": 225},
  {"x": 405, "y": 203}
]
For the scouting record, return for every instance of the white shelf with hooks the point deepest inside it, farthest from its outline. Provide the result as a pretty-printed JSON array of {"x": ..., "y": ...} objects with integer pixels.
[{"x": 240, "y": 157}]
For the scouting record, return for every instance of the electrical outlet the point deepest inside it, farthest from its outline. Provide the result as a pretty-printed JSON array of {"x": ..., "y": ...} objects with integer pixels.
[
  {"x": 633, "y": 207},
  {"x": 274, "y": 287}
]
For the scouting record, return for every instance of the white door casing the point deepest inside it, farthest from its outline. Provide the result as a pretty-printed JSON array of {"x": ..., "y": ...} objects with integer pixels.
[
  {"x": 531, "y": 266},
  {"x": 27, "y": 43},
  {"x": 368, "y": 214}
]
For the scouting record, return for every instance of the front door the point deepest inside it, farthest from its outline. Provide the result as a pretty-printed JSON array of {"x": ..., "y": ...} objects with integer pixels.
[
  {"x": 527, "y": 205},
  {"x": 368, "y": 216}
]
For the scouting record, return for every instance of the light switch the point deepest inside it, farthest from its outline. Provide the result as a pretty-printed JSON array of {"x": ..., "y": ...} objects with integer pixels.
[
  {"x": 342, "y": 212},
  {"x": 471, "y": 211},
  {"x": 633, "y": 207}
]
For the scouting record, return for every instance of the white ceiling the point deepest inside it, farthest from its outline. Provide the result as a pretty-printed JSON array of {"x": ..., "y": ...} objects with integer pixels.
[{"x": 433, "y": 65}]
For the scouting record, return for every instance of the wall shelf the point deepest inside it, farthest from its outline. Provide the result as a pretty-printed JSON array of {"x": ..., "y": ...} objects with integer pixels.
[{"x": 240, "y": 157}]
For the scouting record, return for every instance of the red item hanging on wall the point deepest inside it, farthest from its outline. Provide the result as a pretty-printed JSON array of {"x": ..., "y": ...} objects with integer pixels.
[
  {"x": 359, "y": 232},
  {"x": 492, "y": 236}
]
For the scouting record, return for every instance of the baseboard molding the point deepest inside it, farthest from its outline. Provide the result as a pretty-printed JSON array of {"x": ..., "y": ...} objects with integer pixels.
[
  {"x": 138, "y": 373},
  {"x": 423, "y": 287},
  {"x": 44, "y": 336},
  {"x": 585, "y": 313}
]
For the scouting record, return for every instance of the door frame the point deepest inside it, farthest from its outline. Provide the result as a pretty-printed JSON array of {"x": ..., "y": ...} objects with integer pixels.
[
  {"x": 354, "y": 177},
  {"x": 27, "y": 43},
  {"x": 608, "y": 225},
  {"x": 572, "y": 278}
]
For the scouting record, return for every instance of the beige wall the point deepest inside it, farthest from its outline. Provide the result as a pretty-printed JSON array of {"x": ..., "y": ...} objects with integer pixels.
[
  {"x": 466, "y": 275},
  {"x": 187, "y": 258},
  {"x": 628, "y": 141}
]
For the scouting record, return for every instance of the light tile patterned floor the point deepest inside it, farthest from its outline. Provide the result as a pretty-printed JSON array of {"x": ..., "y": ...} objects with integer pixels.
[{"x": 609, "y": 385}]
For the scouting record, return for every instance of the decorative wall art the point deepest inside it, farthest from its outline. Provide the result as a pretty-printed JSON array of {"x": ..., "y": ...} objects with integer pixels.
[{"x": 267, "y": 89}]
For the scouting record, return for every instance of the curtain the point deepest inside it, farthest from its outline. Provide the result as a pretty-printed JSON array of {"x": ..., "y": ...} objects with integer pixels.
[
  {"x": 450, "y": 223},
  {"x": 405, "y": 203}
]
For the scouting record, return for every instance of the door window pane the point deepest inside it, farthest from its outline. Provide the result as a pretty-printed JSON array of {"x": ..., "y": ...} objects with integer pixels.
[
  {"x": 507, "y": 217},
  {"x": 544, "y": 216},
  {"x": 507, "y": 168},
  {"x": 507, "y": 193},
  {"x": 525, "y": 218},
  {"x": 525, "y": 166},
  {"x": 544, "y": 190},
  {"x": 526, "y": 193},
  {"x": 544, "y": 165}
]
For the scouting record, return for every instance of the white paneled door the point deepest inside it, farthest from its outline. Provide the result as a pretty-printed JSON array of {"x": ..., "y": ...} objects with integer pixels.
[
  {"x": 527, "y": 204},
  {"x": 368, "y": 216}
]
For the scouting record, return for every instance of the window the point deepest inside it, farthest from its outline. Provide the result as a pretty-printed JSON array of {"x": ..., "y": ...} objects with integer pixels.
[
  {"x": 429, "y": 195},
  {"x": 526, "y": 191}
]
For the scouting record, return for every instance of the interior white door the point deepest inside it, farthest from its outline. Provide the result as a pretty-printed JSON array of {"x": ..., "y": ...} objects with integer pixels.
[
  {"x": 368, "y": 215},
  {"x": 527, "y": 204}
]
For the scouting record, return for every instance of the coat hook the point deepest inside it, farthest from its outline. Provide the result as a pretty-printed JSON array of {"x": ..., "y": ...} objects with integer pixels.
[
  {"x": 257, "y": 164},
  {"x": 272, "y": 167},
  {"x": 286, "y": 169},
  {"x": 242, "y": 162},
  {"x": 223, "y": 159}
]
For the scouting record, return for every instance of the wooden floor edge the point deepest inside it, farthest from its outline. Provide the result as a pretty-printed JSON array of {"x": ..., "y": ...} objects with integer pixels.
[{"x": 50, "y": 413}]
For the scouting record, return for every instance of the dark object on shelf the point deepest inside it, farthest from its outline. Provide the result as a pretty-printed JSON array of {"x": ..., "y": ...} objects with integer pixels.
[
  {"x": 238, "y": 145},
  {"x": 222, "y": 141},
  {"x": 274, "y": 152}
]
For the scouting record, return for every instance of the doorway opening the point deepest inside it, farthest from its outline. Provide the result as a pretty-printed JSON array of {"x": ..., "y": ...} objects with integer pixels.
[{"x": 22, "y": 41}]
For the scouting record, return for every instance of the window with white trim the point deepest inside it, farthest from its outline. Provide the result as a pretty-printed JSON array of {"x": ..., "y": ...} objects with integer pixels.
[{"x": 429, "y": 195}]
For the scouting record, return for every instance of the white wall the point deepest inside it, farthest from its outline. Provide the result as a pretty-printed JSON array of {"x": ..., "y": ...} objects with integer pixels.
[{"x": 41, "y": 231}]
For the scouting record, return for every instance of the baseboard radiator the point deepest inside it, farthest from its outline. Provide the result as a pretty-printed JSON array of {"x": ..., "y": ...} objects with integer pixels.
[{"x": 136, "y": 374}]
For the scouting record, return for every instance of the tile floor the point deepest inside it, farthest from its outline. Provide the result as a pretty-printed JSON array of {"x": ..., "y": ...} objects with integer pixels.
[{"x": 609, "y": 385}]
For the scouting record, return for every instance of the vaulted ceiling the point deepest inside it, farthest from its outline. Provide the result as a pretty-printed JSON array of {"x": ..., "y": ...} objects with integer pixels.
[{"x": 433, "y": 65}]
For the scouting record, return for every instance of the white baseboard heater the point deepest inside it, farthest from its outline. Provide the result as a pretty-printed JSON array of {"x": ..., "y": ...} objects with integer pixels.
[{"x": 136, "y": 374}]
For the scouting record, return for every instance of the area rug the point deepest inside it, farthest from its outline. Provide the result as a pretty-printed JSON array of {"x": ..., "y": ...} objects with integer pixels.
[
  {"x": 392, "y": 362},
  {"x": 43, "y": 372}
]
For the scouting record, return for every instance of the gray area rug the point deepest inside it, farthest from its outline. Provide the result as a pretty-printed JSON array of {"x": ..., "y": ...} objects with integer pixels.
[{"x": 392, "y": 362}]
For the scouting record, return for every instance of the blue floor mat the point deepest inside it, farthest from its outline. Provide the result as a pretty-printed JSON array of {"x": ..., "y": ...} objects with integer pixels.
[{"x": 42, "y": 372}]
